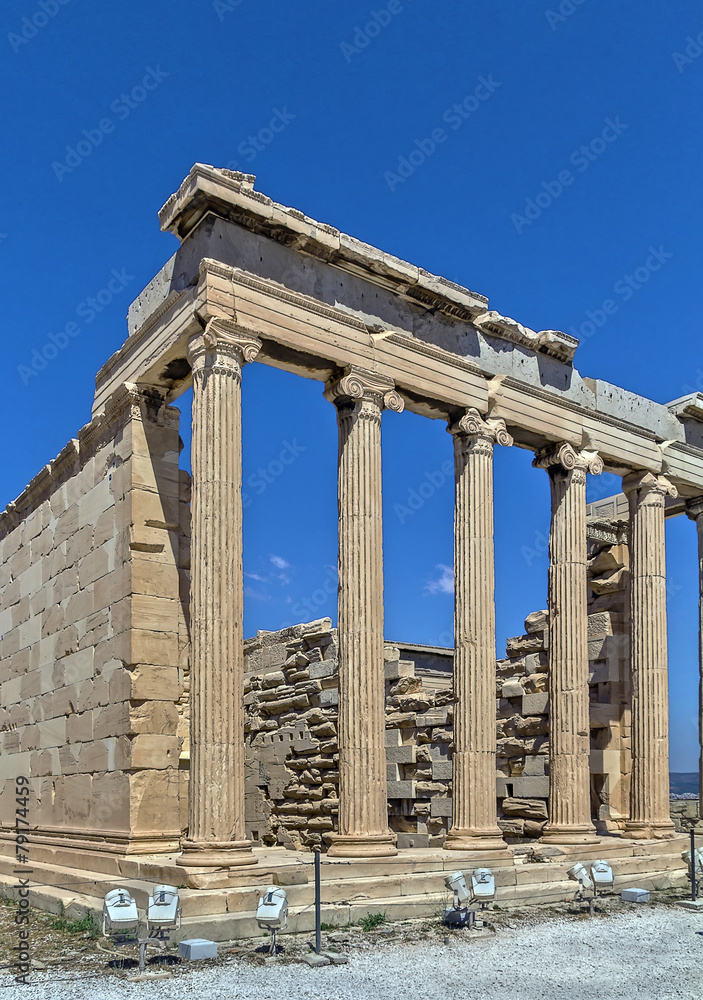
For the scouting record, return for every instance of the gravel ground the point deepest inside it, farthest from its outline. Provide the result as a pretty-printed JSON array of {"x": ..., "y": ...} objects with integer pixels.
[{"x": 633, "y": 953}]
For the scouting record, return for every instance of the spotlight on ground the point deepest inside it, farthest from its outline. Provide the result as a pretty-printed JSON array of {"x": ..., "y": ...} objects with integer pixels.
[
  {"x": 602, "y": 876},
  {"x": 579, "y": 874},
  {"x": 120, "y": 914},
  {"x": 163, "y": 910},
  {"x": 458, "y": 915},
  {"x": 483, "y": 886},
  {"x": 695, "y": 870},
  {"x": 272, "y": 913}
]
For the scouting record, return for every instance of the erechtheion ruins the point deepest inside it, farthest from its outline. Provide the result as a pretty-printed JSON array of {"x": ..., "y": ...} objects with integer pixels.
[{"x": 160, "y": 743}]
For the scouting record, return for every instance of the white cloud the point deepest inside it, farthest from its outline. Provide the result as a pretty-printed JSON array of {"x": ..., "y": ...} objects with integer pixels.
[
  {"x": 279, "y": 562},
  {"x": 255, "y": 576},
  {"x": 444, "y": 583}
]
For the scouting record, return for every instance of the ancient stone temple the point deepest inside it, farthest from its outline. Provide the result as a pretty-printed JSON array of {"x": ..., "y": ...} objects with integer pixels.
[{"x": 161, "y": 743}]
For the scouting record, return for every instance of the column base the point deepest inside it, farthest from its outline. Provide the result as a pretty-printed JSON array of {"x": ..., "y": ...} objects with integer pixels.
[
  {"x": 554, "y": 834},
  {"x": 362, "y": 845},
  {"x": 475, "y": 840},
  {"x": 636, "y": 830},
  {"x": 213, "y": 854}
]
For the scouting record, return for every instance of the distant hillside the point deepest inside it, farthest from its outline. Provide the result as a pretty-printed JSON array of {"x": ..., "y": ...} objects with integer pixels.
[{"x": 683, "y": 782}]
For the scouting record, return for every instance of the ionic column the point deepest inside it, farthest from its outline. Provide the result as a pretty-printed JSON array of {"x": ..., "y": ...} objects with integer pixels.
[
  {"x": 360, "y": 398},
  {"x": 649, "y": 782},
  {"x": 569, "y": 730},
  {"x": 694, "y": 509},
  {"x": 216, "y": 832},
  {"x": 474, "y": 825}
]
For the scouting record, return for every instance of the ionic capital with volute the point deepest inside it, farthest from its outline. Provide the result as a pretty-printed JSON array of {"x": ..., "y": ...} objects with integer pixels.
[
  {"x": 564, "y": 457},
  {"x": 358, "y": 386},
  {"x": 480, "y": 430},
  {"x": 650, "y": 487},
  {"x": 223, "y": 347}
]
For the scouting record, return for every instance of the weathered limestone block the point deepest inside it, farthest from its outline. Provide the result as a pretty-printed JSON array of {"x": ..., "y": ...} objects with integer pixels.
[
  {"x": 407, "y": 685},
  {"x": 441, "y": 807},
  {"x": 522, "y": 644},
  {"x": 403, "y": 789},
  {"x": 512, "y": 827},
  {"x": 535, "y": 704},
  {"x": 531, "y": 726},
  {"x": 537, "y": 622},
  {"x": 526, "y": 808},
  {"x": 442, "y": 736},
  {"x": 401, "y": 720},
  {"x": 403, "y": 754},
  {"x": 531, "y": 787},
  {"x": 533, "y": 828},
  {"x": 512, "y": 689},
  {"x": 536, "y": 684}
]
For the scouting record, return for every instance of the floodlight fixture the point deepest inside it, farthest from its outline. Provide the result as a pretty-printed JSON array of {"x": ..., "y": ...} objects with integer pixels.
[
  {"x": 163, "y": 910},
  {"x": 457, "y": 883},
  {"x": 120, "y": 914},
  {"x": 698, "y": 861},
  {"x": 272, "y": 913},
  {"x": 483, "y": 886},
  {"x": 579, "y": 874},
  {"x": 458, "y": 915},
  {"x": 602, "y": 876},
  {"x": 695, "y": 870}
]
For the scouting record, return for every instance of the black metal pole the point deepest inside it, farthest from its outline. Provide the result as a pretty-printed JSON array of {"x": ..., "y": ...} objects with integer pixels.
[
  {"x": 318, "y": 927},
  {"x": 693, "y": 864}
]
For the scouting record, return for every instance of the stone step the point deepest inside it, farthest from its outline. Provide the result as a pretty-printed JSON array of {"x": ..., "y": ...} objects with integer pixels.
[{"x": 370, "y": 883}]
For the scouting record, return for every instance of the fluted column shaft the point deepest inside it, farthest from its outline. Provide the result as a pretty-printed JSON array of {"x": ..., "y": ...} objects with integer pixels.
[
  {"x": 649, "y": 782},
  {"x": 694, "y": 509},
  {"x": 216, "y": 832},
  {"x": 363, "y": 798},
  {"x": 474, "y": 825},
  {"x": 569, "y": 729}
]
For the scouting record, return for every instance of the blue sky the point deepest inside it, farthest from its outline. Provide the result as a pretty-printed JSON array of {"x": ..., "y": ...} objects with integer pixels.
[{"x": 532, "y": 151}]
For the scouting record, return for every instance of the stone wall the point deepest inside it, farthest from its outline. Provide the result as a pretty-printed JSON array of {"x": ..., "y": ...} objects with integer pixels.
[
  {"x": 523, "y": 700},
  {"x": 292, "y": 776},
  {"x": 90, "y": 626},
  {"x": 292, "y": 698},
  {"x": 684, "y": 813}
]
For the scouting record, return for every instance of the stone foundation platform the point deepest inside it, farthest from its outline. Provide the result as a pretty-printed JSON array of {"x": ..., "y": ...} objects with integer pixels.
[{"x": 222, "y": 905}]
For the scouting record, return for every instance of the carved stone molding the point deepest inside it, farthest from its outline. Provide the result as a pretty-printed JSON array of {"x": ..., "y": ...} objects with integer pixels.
[
  {"x": 649, "y": 485},
  {"x": 223, "y": 345},
  {"x": 566, "y": 457},
  {"x": 694, "y": 508},
  {"x": 358, "y": 384},
  {"x": 473, "y": 425}
]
